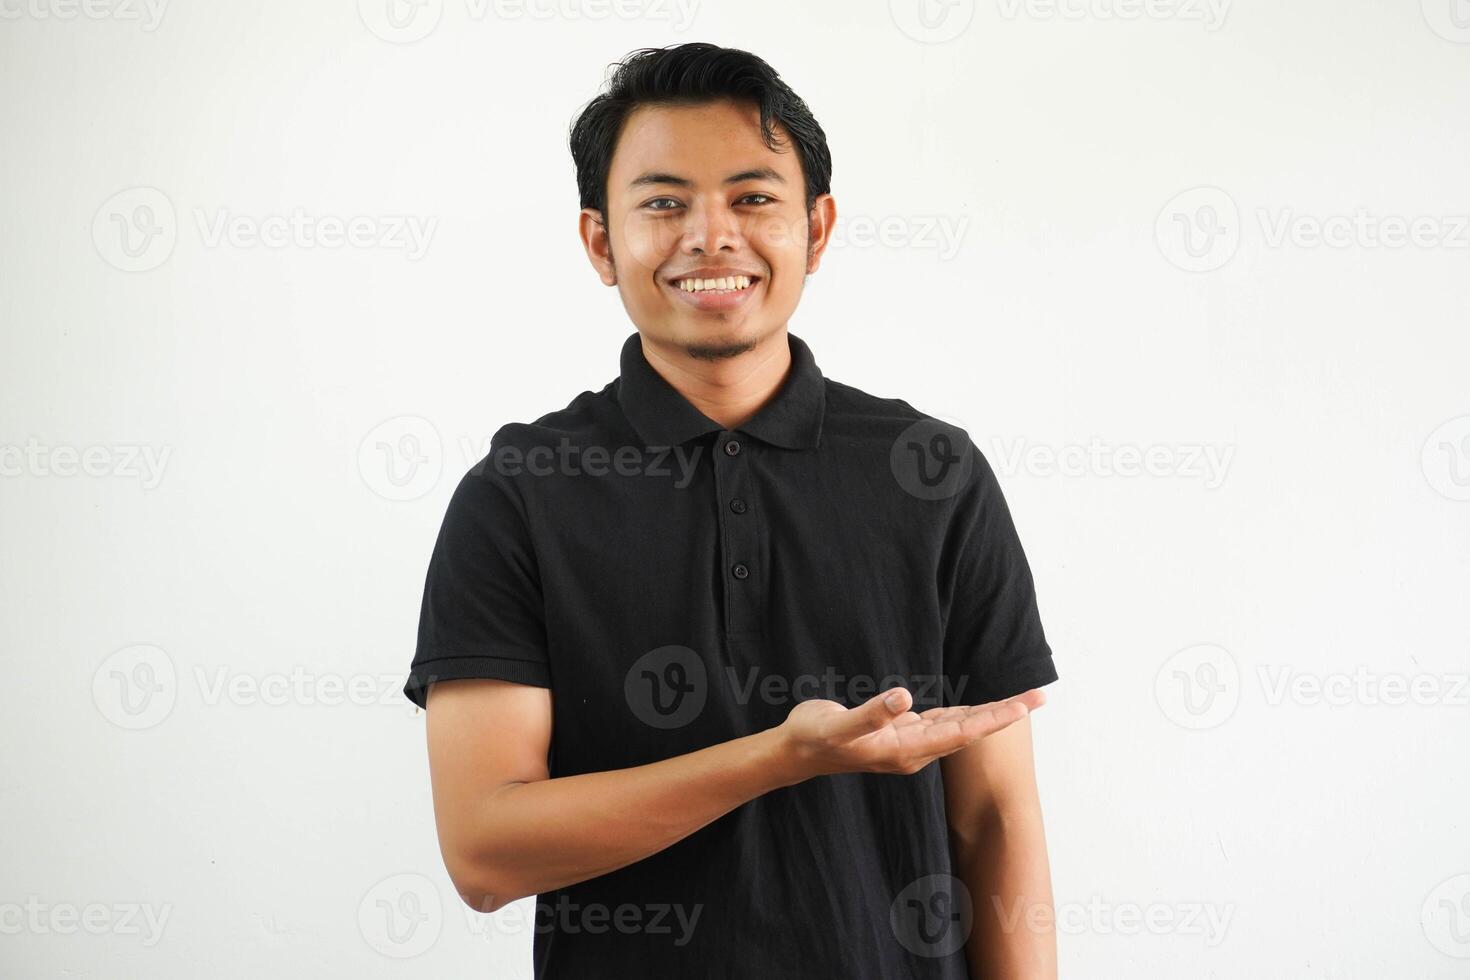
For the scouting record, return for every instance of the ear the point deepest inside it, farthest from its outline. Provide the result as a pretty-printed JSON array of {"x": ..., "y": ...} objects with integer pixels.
[
  {"x": 821, "y": 219},
  {"x": 593, "y": 230}
]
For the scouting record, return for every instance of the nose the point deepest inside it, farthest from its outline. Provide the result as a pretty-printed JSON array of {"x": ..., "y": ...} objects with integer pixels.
[{"x": 711, "y": 227}]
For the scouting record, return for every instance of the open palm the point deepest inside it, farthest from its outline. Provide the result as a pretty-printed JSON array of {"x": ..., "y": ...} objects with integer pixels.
[{"x": 876, "y": 737}]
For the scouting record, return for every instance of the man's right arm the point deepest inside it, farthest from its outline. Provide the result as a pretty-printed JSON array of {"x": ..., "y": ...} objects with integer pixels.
[{"x": 507, "y": 830}]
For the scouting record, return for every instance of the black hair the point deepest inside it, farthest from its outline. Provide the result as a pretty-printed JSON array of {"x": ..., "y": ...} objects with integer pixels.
[{"x": 692, "y": 74}]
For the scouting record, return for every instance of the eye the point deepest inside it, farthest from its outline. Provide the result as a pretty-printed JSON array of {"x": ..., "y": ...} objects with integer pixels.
[{"x": 674, "y": 204}]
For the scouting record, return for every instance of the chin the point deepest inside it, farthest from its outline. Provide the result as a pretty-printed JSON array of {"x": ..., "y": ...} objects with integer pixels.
[{"x": 719, "y": 342}]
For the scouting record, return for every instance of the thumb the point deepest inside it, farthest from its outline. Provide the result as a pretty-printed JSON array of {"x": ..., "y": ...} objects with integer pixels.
[{"x": 876, "y": 712}]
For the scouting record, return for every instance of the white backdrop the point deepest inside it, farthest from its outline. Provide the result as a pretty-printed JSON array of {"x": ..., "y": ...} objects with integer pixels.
[{"x": 1192, "y": 273}]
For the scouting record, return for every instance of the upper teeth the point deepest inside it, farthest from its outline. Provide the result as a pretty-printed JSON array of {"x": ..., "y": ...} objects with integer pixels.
[{"x": 728, "y": 282}]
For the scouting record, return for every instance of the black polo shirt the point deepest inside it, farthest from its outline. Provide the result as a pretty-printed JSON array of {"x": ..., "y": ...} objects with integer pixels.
[{"x": 677, "y": 584}]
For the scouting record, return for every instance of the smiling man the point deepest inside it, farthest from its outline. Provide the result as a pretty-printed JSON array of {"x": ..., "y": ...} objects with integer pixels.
[{"x": 731, "y": 664}]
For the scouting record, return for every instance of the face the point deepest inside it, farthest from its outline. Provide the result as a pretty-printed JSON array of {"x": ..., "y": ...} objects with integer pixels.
[{"x": 694, "y": 194}]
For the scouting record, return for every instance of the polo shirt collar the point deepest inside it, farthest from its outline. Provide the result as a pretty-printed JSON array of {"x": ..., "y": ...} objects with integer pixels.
[{"x": 661, "y": 416}]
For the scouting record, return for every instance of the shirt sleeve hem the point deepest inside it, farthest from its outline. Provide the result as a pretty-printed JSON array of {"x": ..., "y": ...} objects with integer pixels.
[
  {"x": 427, "y": 672},
  {"x": 1037, "y": 674}
]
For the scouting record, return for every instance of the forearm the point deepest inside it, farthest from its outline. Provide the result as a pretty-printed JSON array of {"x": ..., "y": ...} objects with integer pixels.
[
  {"x": 1004, "y": 865},
  {"x": 542, "y": 835}
]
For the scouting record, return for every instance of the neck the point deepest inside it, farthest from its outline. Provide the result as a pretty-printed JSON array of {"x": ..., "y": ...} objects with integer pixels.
[{"x": 729, "y": 389}]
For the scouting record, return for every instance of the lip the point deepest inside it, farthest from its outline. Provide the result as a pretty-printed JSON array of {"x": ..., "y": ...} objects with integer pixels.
[{"x": 717, "y": 302}]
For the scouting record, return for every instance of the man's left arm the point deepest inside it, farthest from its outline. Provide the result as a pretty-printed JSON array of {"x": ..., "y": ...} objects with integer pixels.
[{"x": 999, "y": 846}]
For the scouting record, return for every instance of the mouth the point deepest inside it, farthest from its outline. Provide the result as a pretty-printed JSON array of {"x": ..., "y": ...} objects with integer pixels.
[
  {"x": 717, "y": 294},
  {"x": 726, "y": 284}
]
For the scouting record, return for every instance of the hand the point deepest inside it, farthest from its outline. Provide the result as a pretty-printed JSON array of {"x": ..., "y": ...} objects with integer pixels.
[{"x": 881, "y": 735}]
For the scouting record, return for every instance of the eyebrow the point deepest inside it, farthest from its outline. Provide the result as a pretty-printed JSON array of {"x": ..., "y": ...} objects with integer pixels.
[{"x": 759, "y": 173}]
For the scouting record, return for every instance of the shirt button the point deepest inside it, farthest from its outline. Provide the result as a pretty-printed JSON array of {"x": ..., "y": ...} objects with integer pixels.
[
  {"x": 741, "y": 571},
  {"x": 732, "y": 447},
  {"x": 737, "y": 505}
]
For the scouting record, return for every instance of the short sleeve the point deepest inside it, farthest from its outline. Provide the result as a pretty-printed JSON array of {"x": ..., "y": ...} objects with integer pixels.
[
  {"x": 482, "y": 612},
  {"x": 994, "y": 645}
]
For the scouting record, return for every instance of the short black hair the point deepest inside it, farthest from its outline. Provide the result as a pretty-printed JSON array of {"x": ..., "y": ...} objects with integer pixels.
[{"x": 693, "y": 74}]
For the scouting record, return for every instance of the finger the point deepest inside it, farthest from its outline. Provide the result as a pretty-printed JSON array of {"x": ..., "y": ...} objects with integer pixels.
[
  {"x": 1008, "y": 710},
  {"x": 989, "y": 719},
  {"x": 875, "y": 713},
  {"x": 953, "y": 712},
  {"x": 963, "y": 725},
  {"x": 1033, "y": 699}
]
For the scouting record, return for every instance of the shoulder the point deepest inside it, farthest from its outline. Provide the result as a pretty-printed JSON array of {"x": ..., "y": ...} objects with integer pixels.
[
  {"x": 933, "y": 458},
  {"x": 889, "y": 423},
  {"x": 845, "y": 401},
  {"x": 591, "y": 418}
]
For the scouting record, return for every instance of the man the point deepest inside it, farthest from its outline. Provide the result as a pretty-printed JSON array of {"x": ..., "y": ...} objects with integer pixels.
[{"x": 691, "y": 646}]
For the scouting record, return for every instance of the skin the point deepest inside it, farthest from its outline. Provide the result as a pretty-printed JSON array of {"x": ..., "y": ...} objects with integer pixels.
[{"x": 508, "y": 830}]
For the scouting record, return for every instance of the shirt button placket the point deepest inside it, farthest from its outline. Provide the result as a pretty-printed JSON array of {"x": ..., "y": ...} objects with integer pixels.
[{"x": 740, "y": 537}]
